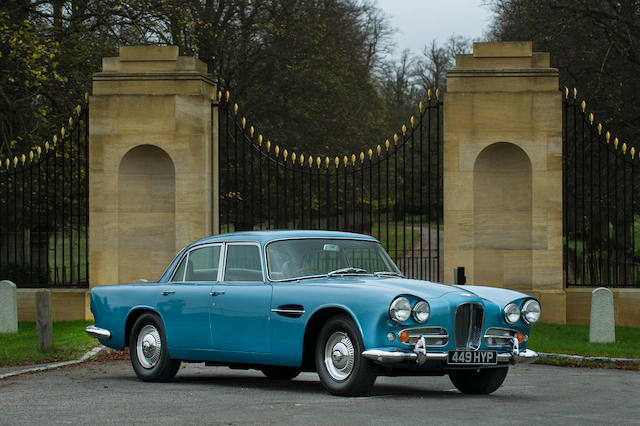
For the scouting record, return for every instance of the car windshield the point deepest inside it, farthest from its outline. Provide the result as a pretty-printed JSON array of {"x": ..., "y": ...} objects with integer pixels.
[{"x": 299, "y": 258}]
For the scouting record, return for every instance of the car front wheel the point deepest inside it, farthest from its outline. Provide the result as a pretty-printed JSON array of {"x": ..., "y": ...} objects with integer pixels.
[
  {"x": 148, "y": 350},
  {"x": 479, "y": 382},
  {"x": 341, "y": 367}
]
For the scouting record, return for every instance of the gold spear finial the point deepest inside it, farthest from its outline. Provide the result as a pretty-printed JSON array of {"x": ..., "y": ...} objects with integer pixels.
[
  {"x": 591, "y": 119},
  {"x": 259, "y": 140},
  {"x": 575, "y": 93},
  {"x": 566, "y": 92},
  {"x": 370, "y": 152},
  {"x": 226, "y": 96},
  {"x": 608, "y": 136},
  {"x": 301, "y": 160},
  {"x": 437, "y": 93},
  {"x": 404, "y": 129},
  {"x": 243, "y": 122},
  {"x": 39, "y": 151},
  {"x": 277, "y": 150},
  {"x": 413, "y": 122},
  {"x": 15, "y": 162},
  {"x": 599, "y": 128},
  {"x": 268, "y": 146},
  {"x": 251, "y": 130},
  {"x": 345, "y": 161},
  {"x": 318, "y": 161},
  {"x": 421, "y": 106},
  {"x": 219, "y": 95},
  {"x": 46, "y": 146},
  {"x": 31, "y": 156},
  {"x": 326, "y": 162},
  {"x": 337, "y": 162},
  {"x": 583, "y": 105},
  {"x": 310, "y": 161},
  {"x": 429, "y": 94},
  {"x": 55, "y": 140},
  {"x": 23, "y": 158},
  {"x": 353, "y": 159},
  {"x": 62, "y": 131},
  {"x": 285, "y": 154},
  {"x": 78, "y": 109},
  {"x": 361, "y": 156},
  {"x": 624, "y": 148},
  {"x": 633, "y": 152},
  {"x": 7, "y": 162},
  {"x": 235, "y": 109},
  {"x": 395, "y": 138},
  {"x": 387, "y": 144},
  {"x": 615, "y": 143},
  {"x": 293, "y": 158},
  {"x": 70, "y": 122},
  {"x": 378, "y": 150}
]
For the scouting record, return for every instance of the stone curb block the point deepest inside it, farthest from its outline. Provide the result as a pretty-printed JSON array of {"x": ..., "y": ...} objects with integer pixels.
[
  {"x": 92, "y": 353},
  {"x": 589, "y": 359}
]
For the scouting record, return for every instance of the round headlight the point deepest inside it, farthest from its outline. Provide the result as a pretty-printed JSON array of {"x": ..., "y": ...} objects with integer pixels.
[
  {"x": 400, "y": 309},
  {"x": 511, "y": 313},
  {"x": 531, "y": 311},
  {"x": 421, "y": 311}
]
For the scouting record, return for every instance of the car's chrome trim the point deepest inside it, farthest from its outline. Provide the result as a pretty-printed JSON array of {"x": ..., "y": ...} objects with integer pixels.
[
  {"x": 420, "y": 357},
  {"x": 288, "y": 311},
  {"x": 428, "y": 333},
  {"x": 97, "y": 332}
]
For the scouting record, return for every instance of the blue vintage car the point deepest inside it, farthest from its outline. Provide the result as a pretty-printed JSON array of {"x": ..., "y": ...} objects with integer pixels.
[{"x": 330, "y": 302}]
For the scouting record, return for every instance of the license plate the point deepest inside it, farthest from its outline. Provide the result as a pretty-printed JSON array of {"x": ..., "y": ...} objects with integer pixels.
[{"x": 472, "y": 357}]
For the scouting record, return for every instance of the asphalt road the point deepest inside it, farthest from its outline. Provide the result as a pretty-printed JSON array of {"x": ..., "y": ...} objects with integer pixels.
[{"x": 108, "y": 392}]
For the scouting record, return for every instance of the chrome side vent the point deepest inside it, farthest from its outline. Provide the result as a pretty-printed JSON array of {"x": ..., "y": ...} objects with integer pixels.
[
  {"x": 433, "y": 336},
  {"x": 468, "y": 326}
]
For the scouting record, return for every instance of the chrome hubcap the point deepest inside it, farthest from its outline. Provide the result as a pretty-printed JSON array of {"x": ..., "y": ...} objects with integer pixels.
[
  {"x": 339, "y": 356},
  {"x": 148, "y": 346}
]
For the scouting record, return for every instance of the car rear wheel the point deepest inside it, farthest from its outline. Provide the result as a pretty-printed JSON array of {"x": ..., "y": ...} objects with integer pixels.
[
  {"x": 148, "y": 350},
  {"x": 341, "y": 367},
  {"x": 479, "y": 382},
  {"x": 280, "y": 373}
]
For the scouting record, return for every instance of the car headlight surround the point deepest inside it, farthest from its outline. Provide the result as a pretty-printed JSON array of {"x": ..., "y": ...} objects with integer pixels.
[
  {"x": 400, "y": 309},
  {"x": 512, "y": 313},
  {"x": 531, "y": 311},
  {"x": 421, "y": 311}
]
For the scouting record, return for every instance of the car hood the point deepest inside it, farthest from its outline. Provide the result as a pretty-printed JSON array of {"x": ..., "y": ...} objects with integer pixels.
[{"x": 424, "y": 289}]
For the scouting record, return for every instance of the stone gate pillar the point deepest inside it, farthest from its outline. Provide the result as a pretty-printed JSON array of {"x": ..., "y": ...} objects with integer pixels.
[
  {"x": 503, "y": 172},
  {"x": 152, "y": 162}
]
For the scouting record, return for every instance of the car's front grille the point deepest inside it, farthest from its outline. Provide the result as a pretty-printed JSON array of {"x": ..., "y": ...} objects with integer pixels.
[
  {"x": 433, "y": 336},
  {"x": 468, "y": 326}
]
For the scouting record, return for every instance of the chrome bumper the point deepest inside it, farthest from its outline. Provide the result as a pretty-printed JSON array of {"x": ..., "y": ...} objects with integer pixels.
[
  {"x": 420, "y": 355},
  {"x": 97, "y": 332}
]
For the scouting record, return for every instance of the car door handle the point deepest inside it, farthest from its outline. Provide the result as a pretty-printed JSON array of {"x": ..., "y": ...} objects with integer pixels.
[
  {"x": 216, "y": 293},
  {"x": 166, "y": 292}
]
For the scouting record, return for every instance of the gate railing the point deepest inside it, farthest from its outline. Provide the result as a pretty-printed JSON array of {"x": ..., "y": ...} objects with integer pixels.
[
  {"x": 44, "y": 210},
  {"x": 392, "y": 191},
  {"x": 601, "y": 210}
]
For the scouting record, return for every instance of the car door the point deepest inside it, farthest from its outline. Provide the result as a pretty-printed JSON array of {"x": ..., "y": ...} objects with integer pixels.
[
  {"x": 241, "y": 302},
  {"x": 185, "y": 302}
]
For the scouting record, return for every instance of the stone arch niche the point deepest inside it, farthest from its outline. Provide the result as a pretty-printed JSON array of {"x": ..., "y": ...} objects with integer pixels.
[
  {"x": 502, "y": 217},
  {"x": 146, "y": 213}
]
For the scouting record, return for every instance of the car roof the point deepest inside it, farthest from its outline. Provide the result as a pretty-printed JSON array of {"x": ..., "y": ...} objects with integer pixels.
[{"x": 264, "y": 237}]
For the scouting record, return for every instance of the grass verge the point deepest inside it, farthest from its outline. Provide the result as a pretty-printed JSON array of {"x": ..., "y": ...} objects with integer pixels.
[
  {"x": 69, "y": 342},
  {"x": 573, "y": 339}
]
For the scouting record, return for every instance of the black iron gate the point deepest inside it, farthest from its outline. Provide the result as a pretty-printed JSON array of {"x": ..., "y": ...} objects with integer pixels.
[
  {"x": 44, "y": 210},
  {"x": 599, "y": 202},
  {"x": 392, "y": 191}
]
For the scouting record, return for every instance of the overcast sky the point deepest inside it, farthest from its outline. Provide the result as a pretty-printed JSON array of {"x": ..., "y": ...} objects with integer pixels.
[{"x": 420, "y": 21}]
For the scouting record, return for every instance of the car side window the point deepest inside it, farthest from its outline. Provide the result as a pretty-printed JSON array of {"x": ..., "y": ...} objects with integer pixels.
[
  {"x": 202, "y": 264},
  {"x": 179, "y": 274},
  {"x": 243, "y": 263}
]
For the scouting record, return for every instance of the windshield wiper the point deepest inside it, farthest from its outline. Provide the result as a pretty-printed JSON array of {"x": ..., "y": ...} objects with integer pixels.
[
  {"x": 348, "y": 270},
  {"x": 388, "y": 274}
]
